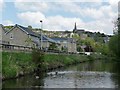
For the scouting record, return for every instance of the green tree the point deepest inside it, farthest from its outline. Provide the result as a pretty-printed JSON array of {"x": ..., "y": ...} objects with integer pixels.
[
  {"x": 30, "y": 27},
  {"x": 113, "y": 45},
  {"x": 114, "y": 42}
]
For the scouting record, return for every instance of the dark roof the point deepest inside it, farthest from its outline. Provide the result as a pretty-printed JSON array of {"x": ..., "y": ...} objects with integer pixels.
[
  {"x": 30, "y": 32},
  {"x": 64, "y": 39},
  {"x": 59, "y": 39},
  {"x": 45, "y": 38},
  {"x": 79, "y": 30}
]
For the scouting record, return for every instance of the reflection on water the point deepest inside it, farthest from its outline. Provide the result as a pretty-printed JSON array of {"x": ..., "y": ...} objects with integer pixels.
[{"x": 93, "y": 74}]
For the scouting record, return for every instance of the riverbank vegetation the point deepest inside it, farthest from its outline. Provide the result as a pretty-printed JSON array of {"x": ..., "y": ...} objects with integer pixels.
[
  {"x": 17, "y": 64},
  {"x": 114, "y": 42}
]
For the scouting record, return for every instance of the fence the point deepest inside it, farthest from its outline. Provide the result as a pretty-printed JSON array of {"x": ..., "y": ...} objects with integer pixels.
[
  {"x": 16, "y": 48},
  {"x": 8, "y": 47}
]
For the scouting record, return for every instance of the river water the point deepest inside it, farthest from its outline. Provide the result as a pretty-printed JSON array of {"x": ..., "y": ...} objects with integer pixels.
[{"x": 92, "y": 74}]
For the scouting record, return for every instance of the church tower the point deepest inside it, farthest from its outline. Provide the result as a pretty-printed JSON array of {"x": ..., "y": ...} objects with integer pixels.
[{"x": 75, "y": 28}]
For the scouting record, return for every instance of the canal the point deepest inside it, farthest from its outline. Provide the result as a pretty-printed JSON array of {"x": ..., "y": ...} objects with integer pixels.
[{"x": 92, "y": 74}]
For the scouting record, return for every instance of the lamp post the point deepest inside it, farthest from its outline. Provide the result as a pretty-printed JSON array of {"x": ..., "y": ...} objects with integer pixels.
[{"x": 41, "y": 35}]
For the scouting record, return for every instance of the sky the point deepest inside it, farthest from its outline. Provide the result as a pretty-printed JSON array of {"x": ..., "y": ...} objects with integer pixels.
[{"x": 61, "y": 15}]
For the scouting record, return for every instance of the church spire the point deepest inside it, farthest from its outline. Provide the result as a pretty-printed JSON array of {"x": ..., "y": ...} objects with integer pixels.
[{"x": 75, "y": 27}]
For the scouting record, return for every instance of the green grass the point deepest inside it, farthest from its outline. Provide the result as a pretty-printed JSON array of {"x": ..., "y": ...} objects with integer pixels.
[
  {"x": 62, "y": 60},
  {"x": 15, "y": 63}
]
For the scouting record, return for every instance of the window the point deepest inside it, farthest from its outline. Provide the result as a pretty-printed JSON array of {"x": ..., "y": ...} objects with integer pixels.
[{"x": 11, "y": 36}]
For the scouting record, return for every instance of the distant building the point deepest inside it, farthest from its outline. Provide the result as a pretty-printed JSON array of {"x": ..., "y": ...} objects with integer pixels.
[
  {"x": 67, "y": 44},
  {"x": 78, "y": 31}
]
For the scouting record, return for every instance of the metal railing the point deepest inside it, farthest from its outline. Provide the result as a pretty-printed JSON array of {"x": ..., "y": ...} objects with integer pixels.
[
  {"x": 17, "y": 48},
  {"x": 8, "y": 47}
]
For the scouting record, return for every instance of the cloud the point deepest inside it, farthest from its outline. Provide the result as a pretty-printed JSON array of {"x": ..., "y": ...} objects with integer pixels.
[
  {"x": 8, "y": 22},
  {"x": 64, "y": 23},
  {"x": 51, "y": 22},
  {"x": 70, "y": 7},
  {"x": 2, "y": 4},
  {"x": 31, "y": 17},
  {"x": 31, "y": 6},
  {"x": 89, "y": 12},
  {"x": 103, "y": 25},
  {"x": 101, "y": 15}
]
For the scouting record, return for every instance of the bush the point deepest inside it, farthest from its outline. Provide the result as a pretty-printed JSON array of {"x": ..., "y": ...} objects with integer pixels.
[
  {"x": 37, "y": 56},
  {"x": 38, "y": 59}
]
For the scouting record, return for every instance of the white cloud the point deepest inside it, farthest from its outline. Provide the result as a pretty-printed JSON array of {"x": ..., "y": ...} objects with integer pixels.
[
  {"x": 113, "y": 2},
  {"x": 103, "y": 25},
  {"x": 8, "y": 22},
  {"x": 51, "y": 22},
  {"x": 1, "y": 5},
  {"x": 63, "y": 23},
  {"x": 102, "y": 17},
  {"x": 31, "y": 17},
  {"x": 90, "y": 12},
  {"x": 31, "y": 6}
]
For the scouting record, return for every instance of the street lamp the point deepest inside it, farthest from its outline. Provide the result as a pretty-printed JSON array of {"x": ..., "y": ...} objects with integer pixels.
[{"x": 41, "y": 35}]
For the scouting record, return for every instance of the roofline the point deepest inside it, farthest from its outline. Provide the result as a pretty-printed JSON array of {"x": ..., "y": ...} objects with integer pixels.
[
  {"x": 16, "y": 25},
  {"x": 2, "y": 27},
  {"x": 22, "y": 29}
]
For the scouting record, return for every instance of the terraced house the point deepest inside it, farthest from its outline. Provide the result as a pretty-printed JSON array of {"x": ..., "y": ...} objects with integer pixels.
[
  {"x": 3, "y": 38},
  {"x": 24, "y": 36}
]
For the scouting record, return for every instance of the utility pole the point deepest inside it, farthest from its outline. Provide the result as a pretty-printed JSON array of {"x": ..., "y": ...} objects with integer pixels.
[{"x": 41, "y": 35}]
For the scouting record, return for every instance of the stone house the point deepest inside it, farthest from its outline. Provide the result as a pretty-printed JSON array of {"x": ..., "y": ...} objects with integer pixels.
[
  {"x": 24, "y": 36},
  {"x": 3, "y": 38}
]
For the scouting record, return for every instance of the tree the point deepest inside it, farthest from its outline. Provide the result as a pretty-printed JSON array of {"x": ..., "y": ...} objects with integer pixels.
[
  {"x": 118, "y": 40},
  {"x": 30, "y": 27},
  {"x": 113, "y": 45},
  {"x": 114, "y": 42}
]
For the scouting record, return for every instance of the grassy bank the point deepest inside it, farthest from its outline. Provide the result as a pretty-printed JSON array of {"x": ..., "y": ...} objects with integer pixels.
[
  {"x": 18, "y": 64},
  {"x": 14, "y": 64}
]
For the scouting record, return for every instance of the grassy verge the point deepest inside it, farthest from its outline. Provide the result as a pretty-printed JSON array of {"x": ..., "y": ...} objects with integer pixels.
[
  {"x": 53, "y": 61},
  {"x": 16, "y": 64}
]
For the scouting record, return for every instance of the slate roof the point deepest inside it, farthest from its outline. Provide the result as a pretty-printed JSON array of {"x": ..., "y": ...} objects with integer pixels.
[
  {"x": 45, "y": 38},
  {"x": 30, "y": 32},
  {"x": 59, "y": 39},
  {"x": 64, "y": 39}
]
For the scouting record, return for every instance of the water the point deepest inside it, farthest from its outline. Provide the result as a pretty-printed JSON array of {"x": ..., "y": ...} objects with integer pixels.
[{"x": 92, "y": 74}]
